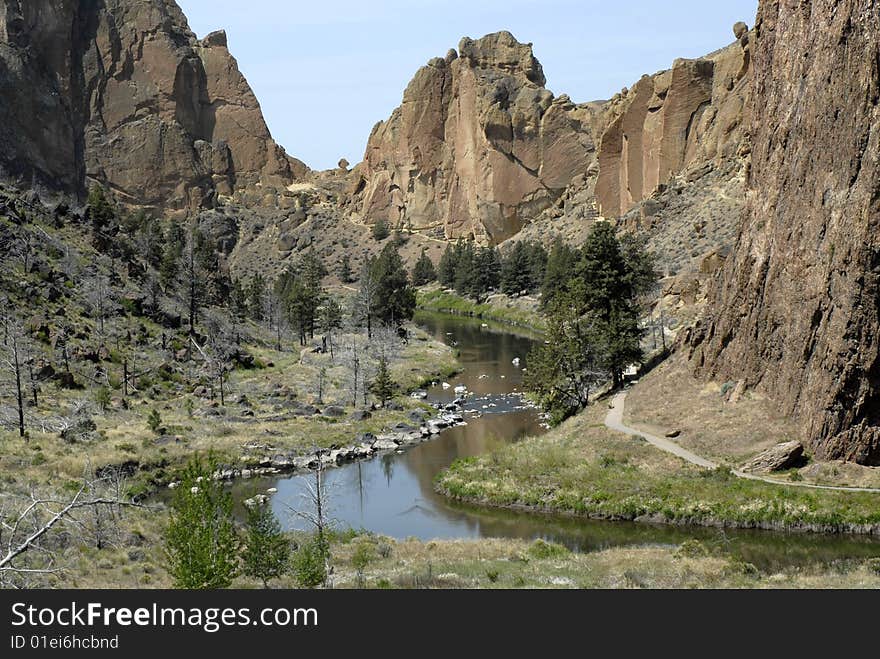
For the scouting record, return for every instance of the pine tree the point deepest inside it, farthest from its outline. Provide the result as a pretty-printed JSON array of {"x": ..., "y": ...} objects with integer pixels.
[
  {"x": 559, "y": 272},
  {"x": 395, "y": 299},
  {"x": 102, "y": 218},
  {"x": 423, "y": 271},
  {"x": 383, "y": 386},
  {"x": 516, "y": 271},
  {"x": 256, "y": 295},
  {"x": 448, "y": 265},
  {"x": 380, "y": 230},
  {"x": 330, "y": 320},
  {"x": 345, "y": 274},
  {"x": 201, "y": 543},
  {"x": 238, "y": 302},
  {"x": 266, "y": 554}
]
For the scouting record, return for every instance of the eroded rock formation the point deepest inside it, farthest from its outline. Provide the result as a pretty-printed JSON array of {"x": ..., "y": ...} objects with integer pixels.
[
  {"x": 477, "y": 147},
  {"x": 123, "y": 93},
  {"x": 797, "y": 313},
  {"x": 689, "y": 115}
]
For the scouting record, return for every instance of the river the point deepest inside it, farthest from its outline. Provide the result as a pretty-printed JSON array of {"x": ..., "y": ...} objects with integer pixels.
[{"x": 393, "y": 493}]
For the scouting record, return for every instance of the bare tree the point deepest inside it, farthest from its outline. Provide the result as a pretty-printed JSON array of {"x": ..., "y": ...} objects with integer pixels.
[
  {"x": 100, "y": 297},
  {"x": 27, "y": 523},
  {"x": 12, "y": 358},
  {"x": 365, "y": 301},
  {"x": 217, "y": 351},
  {"x": 316, "y": 509}
]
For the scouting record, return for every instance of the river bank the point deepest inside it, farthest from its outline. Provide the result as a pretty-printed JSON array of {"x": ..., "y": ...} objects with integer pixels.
[
  {"x": 583, "y": 469},
  {"x": 515, "y": 312}
]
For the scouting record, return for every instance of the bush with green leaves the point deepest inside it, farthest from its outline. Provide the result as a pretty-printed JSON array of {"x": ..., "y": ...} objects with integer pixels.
[
  {"x": 266, "y": 554},
  {"x": 201, "y": 542},
  {"x": 310, "y": 562},
  {"x": 154, "y": 420}
]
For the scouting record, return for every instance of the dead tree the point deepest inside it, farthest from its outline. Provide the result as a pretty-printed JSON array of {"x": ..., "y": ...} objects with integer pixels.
[
  {"x": 12, "y": 359},
  {"x": 28, "y": 521}
]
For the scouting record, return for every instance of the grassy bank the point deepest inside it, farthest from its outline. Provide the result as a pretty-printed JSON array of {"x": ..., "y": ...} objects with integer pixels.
[
  {"x": 522, "y": 312},
  {"x": 273, "y": 408},
  {"x": 386, "y": 563},
  {"x": 582, "y": 468}
]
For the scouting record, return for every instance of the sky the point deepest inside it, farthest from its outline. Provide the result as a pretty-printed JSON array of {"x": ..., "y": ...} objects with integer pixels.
[{"x": 326, "y": 72}]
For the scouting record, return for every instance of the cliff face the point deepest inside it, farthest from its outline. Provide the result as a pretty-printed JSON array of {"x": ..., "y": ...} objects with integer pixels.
[
  {"x": 122, "y": 92},
  {"x": 669, "y": 121},
  {"x": 797, "y": 313},
  {"x": 477, "y": 147}
]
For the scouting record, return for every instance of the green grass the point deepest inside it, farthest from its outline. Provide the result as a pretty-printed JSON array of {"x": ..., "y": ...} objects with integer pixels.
[
  {"x": 508, "y": 313},
  {"x": 585, "y": 469}
]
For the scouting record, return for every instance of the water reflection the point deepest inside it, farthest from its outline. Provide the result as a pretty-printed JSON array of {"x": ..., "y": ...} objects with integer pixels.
[{"x": 393, "y": 494}]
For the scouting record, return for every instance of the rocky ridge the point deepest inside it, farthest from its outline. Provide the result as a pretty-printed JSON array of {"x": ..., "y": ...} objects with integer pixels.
[{"x": 123, "y": 93}]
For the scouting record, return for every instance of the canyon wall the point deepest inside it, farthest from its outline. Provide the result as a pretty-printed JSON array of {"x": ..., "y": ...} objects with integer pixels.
[
  {"x": 797, "y": 311},
  {"x": 123, "y": 93},
  {"x": 690, "y": 114}
]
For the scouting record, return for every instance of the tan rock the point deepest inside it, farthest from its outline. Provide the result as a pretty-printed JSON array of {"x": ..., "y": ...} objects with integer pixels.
[
  {"x": 776, "y": 458},
  {"x": 690, "y": 114},
  {"x": 478, "y": 147}
]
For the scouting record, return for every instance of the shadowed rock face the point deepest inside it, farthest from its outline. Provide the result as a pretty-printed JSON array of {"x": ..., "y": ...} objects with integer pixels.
[
  {"x": 122, "y": 92},
  {"x": 477, "y": 147},
  {"x": 796, "y": 312},
  {"x": 691, "y": 114}
]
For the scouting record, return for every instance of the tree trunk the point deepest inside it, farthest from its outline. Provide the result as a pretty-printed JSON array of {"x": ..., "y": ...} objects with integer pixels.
[{"x": 16, "y": 363}]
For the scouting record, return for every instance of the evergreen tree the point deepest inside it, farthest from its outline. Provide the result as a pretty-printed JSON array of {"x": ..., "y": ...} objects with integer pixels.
[
  {"x": 330, "y": 319},
  {"x": 516, "y": 274},
  {"x": 448, "y": 265},
  {"x": 611, "y": 279},
  {"x": 380, "y": 230},
  {"x": 256, "y": 296},
  {"x": 345, "y": 275},
  {"x": 537, "y": 260},
  {"x": 266, "y": 554},
  {"x": 238, "y": 302},
  {"x": 175, "y": 240},
  {"x": 565, "y": 369},
  {"x": 201, "y": 543},
  {"x": 383, "y": 386},
  {"x": 466, "y": 269},
  {"x": 101, "y": 217},
  {"x": 423, "y": 271},
  {"x": 559, "y": 272},
  {"x": 395, "y": 299},
  {"x": 487, "y": 272}
]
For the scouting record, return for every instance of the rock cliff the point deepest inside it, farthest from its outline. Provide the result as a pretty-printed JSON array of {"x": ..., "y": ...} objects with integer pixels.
[
  {"x": 123, "y": 93},
  {"x": 477, "y": 147},
  {"x": 690, "y": 115},
  {"x": 797, "y": 311}
]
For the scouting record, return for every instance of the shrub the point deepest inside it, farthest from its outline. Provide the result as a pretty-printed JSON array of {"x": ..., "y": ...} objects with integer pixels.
[
  {"x": 310, "y": 563},
  {"x": 540, "y": 549},
  {"x": 154, "y": 420},
  {"x": 380, "y": 230},
  {"x": 201, "y": 543}
]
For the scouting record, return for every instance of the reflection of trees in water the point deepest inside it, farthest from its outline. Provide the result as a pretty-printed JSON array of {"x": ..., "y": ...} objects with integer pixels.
[{"x": 388, "y": 466}]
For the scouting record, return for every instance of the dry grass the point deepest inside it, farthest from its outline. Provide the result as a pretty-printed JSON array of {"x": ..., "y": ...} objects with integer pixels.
[{"x": 670, "y": 398}]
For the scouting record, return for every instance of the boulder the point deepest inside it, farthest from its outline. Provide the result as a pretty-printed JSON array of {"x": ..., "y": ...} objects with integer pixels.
[{"x": 776, "y": 458}]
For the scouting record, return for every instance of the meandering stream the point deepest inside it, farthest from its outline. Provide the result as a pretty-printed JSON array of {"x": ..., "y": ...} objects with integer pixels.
[{"x": 393, "y": 493}]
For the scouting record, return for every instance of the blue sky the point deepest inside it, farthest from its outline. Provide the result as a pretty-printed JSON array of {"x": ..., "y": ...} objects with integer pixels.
[{"x": 326, "y": 72}]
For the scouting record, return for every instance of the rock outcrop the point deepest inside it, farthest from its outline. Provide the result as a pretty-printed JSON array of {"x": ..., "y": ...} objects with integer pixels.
[
  {"x": 797, "y": 312},
  {"x": 478, "y": 146},
  {"x": 123, "y": 93},
  {"x": 776, "y": 458},
  {"x": 690, "y": 115}
]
